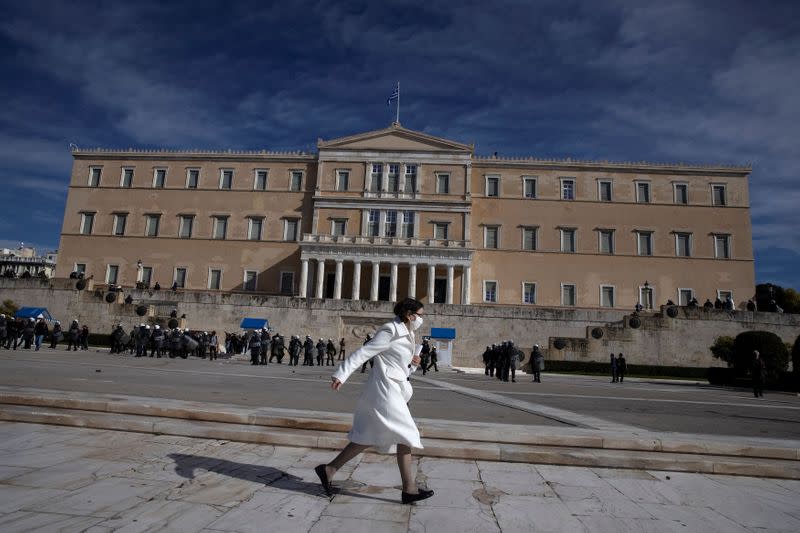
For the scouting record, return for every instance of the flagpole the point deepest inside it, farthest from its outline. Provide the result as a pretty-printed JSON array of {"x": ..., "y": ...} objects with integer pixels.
[{"x": 397, "y": 119}]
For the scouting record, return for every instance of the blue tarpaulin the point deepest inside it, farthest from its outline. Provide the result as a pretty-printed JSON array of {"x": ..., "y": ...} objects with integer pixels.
[
  {"x": 254, "y": 323},
  {"x": 443, "y": 333},
  {"x": 34, "y": 312}
]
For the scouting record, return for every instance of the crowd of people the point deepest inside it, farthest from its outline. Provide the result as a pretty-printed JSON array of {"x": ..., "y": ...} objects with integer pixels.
[
  {"x": 30, "y": 333},
  {"x": 157, "y": 342},
  {"x": 503, "y": 360},
  {"x": 266, "y": 348}
]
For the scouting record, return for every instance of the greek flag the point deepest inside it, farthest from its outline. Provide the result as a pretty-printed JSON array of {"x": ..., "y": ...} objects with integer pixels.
[{"x": 395, "y": 95}]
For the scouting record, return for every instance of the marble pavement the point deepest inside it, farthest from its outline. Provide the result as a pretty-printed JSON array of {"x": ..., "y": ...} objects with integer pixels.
[{"x": 56, "y": 478}]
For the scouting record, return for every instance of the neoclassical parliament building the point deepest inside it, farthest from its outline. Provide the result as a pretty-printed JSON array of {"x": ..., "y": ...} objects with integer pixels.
[{"x": 395, "y": 212}]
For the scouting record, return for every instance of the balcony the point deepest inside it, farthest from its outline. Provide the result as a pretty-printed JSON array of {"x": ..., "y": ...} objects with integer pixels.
[{"x": 385, "y": 241}]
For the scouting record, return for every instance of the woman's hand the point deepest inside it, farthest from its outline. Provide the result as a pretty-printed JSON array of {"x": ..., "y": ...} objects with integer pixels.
[
  {"x": 415, "y": 360},
  {"x": 335, "y": 384}
]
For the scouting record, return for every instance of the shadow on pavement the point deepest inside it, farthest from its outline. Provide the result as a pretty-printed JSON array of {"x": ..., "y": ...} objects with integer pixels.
[{"x": 185, "y": 466}]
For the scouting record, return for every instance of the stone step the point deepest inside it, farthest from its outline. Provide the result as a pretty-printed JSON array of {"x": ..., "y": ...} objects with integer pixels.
[
  {"x": 337, "y": 423},
  {"x": 442, "y": 448}
]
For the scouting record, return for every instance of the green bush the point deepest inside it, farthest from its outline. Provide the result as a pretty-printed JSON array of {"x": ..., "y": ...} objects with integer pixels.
[
  {"x": 723, "y": 349},
  {"x": 720, "y": 376},
  {"x": 796, "y": 363},
  {"x": 595, "y": 367},
  {"x": 8, "y": 308},
  {"x": 772, "y": 349}
]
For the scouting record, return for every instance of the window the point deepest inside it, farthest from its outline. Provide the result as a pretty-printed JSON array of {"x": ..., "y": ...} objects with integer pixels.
[
  {"x": 490, "y": 291},
  {"x": 642, "y": 192},
  {"x": 567, "y": 189},
  {"x": 342, "y": 180},
  {"x": 440, "y": 230},
  {"x": 147, "y": 275},
  {"x": 390, "y": 229},
  {"x": 644, "y": 242},
  {"x": 151, "y": 223},
  {"x": 250, "y": 280},
  {"x": 185, "y": 226},
  {"x": 112, "y": 272},
  {"x": 214, "y": 278},
  {"x": 290, "y": 229},
  {"x": 260, "y": 180},
  {"x": 685, "y": 296},
  {"x": 120, "y": 220},
  {"x": 529, "y": 187},
  {"x": 604, "y": 191},
  {"x": 287, "y": 282},
  {"x": 87, "y": 223},
  {"x": 718, "y": 195},
  {"x": 180, "y": 277},
  {"x": 394, "y": 177},
  {"x": 606, "y": 296},
  {"x": 646, "y": 297},
  {"x": 296, "y": 180},
  {"x": 681, "y": 192},
  {"x": 411, "y": 179},
  {"x": 254, "y": 227},
  {"x": 192, "y": 178},
  {"x": 492, "y": 186},
  {"x": 491, "y": 237},
  {"x": 724, "y": 294},
  {"x": 373, "y": 223},
  {"x": 442, "y": 183},
  {"x": 376, "y": 178},
  {"x": 126, "y": 180},
  {"x": 225, "y": 179},
  {"x": 339, "y": 226},
  {"x": 722, "y": 248},
  {"x": 220, "y": 229},
  {"x": 568, "y": 240},
  {"x": 159, "y": 178},
  {"x": 80, "y": 268},
  {"x": 528, "y": 292},
  {"x": 606, "y": 241},
  {"x": 528, "y": 238},
  {"x": 407, "y": 229},
  {"x": 568, "y": 294},
  {"x": 683, "y": 244},
  {"x": 94, "y": 176}
]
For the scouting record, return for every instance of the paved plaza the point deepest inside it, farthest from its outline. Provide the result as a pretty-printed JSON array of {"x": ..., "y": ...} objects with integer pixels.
[
  {"x": 71, "y": 479},
  {"x": 559, "y": 401}
]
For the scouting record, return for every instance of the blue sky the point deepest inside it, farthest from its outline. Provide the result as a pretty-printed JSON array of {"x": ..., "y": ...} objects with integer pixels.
[{"x": 697, "y": 81}]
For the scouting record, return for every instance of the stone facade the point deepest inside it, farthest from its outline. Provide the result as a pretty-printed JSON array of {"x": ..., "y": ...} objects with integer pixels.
[
  {"x": 395, "y": 212},
  {"x": 660, "y": 340}
]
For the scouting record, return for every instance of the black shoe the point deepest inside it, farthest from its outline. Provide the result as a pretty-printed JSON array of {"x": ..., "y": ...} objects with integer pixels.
[
  {"x": 421, "y": 495},
  {"x": 323, "y": 478},
  {"x": 513, "y": 381}
]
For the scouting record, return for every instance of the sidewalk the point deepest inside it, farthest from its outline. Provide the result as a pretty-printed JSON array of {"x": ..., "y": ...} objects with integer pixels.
[{"x": 74, "y": 479}]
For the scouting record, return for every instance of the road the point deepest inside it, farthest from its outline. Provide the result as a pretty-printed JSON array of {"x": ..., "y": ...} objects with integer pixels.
[{"x": 658, "y": 406}]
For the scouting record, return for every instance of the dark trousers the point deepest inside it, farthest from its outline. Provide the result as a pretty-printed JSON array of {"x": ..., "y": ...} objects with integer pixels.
[
  {"x": 341, "y": 354},
  {"x": 621, "y": 374},
  {"x": 614, "y": 375},
  {"x": 212, "y": 353},
  {"x": 433, "y": 364},
  {"x": 254, "y": 352},
  {"x": 364, "y": 366},
  {"x": 758, "y": 388},
  {"x": 537, "y": 376},
  {"x": 264, "y": 358}
]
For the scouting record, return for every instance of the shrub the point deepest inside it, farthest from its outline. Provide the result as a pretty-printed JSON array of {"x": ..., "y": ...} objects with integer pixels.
[
  {"x": 722, "y": 349},
  {"x": 720, "y": 376},
  {"x": 796, "y": 363},
  {"x": 772, "y": 349},
  {"x": 8, "y": 307}
]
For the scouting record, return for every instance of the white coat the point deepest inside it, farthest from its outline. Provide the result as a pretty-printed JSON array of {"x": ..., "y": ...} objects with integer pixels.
[{"x": 382, "y": 418}]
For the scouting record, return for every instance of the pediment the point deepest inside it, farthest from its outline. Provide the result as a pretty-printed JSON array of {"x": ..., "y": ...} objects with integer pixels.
[{"x": 395, "y": 139}]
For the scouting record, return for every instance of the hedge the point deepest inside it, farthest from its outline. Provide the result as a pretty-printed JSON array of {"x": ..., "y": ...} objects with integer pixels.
[{"x": 595, "y": 367}]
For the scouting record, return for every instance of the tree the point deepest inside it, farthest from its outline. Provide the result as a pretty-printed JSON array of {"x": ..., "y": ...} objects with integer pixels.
[
  {"x": 796, "y": 363},
  {"x": 771, "y": 348},
  {"x": 723, "y": 349},
  {"x": 787, "y": 299},
  {"x": 8, "y": 308}
]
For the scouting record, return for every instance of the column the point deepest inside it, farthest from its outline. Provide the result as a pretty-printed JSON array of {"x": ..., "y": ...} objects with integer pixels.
[
  {"x": 393, "y": 284},
  {"x": 466, "y": 285},
  {"x": 431, "y": 280},
  {"x": 412, "y": 280},
  {"x": 357, "y": 280},
  {"x": 466, "y": 226},
  {"x": 376, "y": 272},
  {"x": 450, "y": 274},
  {"x": 303, "y": 277},
  {"x": 337, "y": 285},
  {"x": 320, "y": 277}
]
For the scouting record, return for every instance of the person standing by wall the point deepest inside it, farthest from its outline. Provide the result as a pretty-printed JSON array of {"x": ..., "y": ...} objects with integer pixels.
[
  {"x": 341, "y": 349},
  {"x": 382, "y": 419},
  {"x": 537, "y": 363},
  {"x": 614, "y": 376},
  {"x": 622, "y": 366},
  {"x": 57, "y": 335},
  {"x": 758, "y": 373}
]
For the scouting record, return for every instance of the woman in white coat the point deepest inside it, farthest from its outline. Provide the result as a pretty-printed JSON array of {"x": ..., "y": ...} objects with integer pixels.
[{"x": 382, "y": 419}]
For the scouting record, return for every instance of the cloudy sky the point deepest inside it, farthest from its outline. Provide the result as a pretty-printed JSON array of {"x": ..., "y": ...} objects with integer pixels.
[{"x": 686, "y": 80}]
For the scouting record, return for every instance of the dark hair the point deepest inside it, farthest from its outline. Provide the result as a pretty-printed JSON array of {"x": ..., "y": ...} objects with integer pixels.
[{"x": 402, "y": 307}]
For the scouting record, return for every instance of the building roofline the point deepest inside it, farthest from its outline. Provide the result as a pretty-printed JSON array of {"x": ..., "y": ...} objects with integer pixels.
[
  {"x": 164, "y": 153},
  {"x": 494, "y": 161}
]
